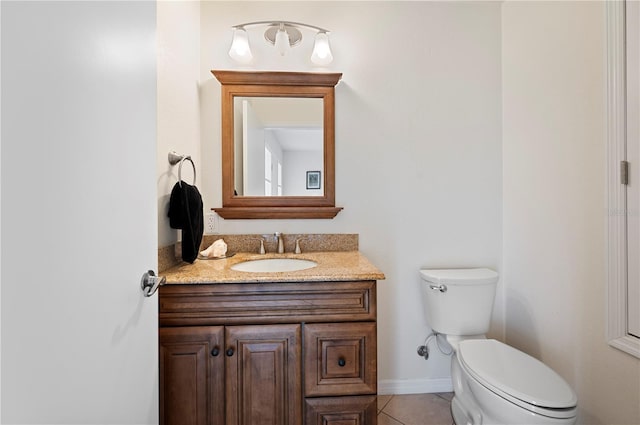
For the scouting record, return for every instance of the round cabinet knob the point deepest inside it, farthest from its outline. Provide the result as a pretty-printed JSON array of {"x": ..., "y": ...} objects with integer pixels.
[
  {"x": 341, "y": 362},
  {"x": 215, "y": 352},
  {"x": 229, "y": 352}
]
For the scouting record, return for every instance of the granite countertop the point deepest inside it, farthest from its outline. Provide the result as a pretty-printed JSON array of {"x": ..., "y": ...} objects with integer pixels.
[{"x": 332, "y": 266}]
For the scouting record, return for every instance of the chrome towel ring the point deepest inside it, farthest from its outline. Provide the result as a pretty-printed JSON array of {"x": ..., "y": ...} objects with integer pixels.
[{"x": 175, "y": 158}]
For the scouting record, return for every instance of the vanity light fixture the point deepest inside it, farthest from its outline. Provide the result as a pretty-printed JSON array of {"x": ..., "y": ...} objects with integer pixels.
[{"x": 283, "y": 35}]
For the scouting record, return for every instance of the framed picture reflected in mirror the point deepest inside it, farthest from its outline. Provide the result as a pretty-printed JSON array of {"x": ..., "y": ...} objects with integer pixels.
[{"x": 313, "y": 179}]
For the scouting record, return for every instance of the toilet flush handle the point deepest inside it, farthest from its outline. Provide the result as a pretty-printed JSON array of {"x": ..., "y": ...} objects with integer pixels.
[{"x": 442, "y": 287}]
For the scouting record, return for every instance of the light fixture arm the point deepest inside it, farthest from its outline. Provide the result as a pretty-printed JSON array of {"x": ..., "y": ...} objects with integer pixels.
[{"x": 294, "y": 24}]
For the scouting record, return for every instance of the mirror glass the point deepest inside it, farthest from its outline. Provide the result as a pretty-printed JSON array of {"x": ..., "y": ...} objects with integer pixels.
[{"x": 278, "y": 146}]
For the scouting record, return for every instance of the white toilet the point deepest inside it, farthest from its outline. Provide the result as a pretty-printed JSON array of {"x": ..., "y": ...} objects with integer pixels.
[{"x": 493, "y": 382}]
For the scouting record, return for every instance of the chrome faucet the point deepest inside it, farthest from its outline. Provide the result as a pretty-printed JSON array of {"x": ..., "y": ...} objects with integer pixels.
[{"x": 280, "y": 241}]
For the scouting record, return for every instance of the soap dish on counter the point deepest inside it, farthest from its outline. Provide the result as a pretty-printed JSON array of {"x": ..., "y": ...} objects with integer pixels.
[{"x": 227, "y": 255}]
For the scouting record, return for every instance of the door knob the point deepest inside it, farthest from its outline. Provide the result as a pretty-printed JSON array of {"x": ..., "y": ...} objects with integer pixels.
[
  {"x": 229, "y": 352},
  {"x": 150, "y": 283}
]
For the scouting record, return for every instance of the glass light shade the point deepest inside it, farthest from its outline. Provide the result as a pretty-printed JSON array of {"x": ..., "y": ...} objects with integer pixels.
[
  {"x": 282, "y": 42},
  {"x": 321, "y": 50},
  {"x": 240, "y": 50}
]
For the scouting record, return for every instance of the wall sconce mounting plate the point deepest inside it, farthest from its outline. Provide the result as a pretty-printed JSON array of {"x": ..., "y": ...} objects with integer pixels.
[{"x": 295, "y": 36}]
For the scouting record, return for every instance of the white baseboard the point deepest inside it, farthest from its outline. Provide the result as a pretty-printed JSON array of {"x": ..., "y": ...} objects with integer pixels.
[{"x": 414, "y": 386}]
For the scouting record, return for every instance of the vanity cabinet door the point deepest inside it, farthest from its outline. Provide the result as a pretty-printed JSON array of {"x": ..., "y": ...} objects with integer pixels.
[
  {"x": 340, "y": 359},
  {"x": 192, "y": 375},
  {"x": 263, "y": 375}
]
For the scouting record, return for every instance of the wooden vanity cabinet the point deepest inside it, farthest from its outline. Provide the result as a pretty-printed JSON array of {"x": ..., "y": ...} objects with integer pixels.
[{"x": 268, "y": 354}]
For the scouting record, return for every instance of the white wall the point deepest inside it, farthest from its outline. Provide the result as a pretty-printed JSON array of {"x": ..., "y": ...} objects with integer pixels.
[
  {"x": 554, "y": 202},
  {"x": 296, "y": 165},
  {"x": 178, "y": 38},
  {"x": 253, "y": 168},
  {"x": 418, "y": 149}
]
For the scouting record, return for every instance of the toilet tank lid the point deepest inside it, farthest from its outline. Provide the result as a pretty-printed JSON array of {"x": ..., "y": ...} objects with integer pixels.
[{"x": 477, "y": 276}]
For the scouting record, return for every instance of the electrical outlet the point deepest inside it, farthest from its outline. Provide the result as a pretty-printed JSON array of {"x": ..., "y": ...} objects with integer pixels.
[{"x": 210, "y": 223}]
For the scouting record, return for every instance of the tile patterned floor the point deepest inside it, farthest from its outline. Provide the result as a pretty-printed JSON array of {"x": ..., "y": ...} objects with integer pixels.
[{"x": 415, "y": 409}]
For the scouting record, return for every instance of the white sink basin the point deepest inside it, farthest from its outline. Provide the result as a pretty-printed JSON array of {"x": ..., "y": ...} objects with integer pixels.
[{"x": 274, "y": 265}]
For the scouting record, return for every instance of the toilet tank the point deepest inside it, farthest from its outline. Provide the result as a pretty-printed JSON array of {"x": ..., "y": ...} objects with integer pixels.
[{"x": 459, "y": 301}]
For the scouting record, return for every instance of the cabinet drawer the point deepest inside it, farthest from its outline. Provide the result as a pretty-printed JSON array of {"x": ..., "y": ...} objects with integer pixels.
[
  {"x": 359, "y": 410},
  {"x": 340, "y": 358},
  {"x": 247, "y": 303}
]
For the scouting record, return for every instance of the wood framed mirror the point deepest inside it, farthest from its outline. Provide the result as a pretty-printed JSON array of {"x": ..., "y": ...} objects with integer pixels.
[{"x": 278, "y": 144}]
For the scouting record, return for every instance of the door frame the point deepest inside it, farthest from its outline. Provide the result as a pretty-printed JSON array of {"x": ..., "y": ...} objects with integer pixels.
[{"x": 617, "y": 318}]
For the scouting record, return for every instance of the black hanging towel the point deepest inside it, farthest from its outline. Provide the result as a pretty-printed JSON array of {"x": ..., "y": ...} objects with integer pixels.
[{"x": 186, "y": 213}]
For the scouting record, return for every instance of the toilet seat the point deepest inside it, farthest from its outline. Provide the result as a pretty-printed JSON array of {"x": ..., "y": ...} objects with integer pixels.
[{"x": 517, "y": 377}]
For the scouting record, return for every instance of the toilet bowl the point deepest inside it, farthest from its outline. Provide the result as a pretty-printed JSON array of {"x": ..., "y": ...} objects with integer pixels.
[{"x": 493, "y": 383}]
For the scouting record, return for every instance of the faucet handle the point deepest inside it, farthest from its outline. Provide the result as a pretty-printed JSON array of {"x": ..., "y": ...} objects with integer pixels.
[{"x": 298, "y": 250}]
